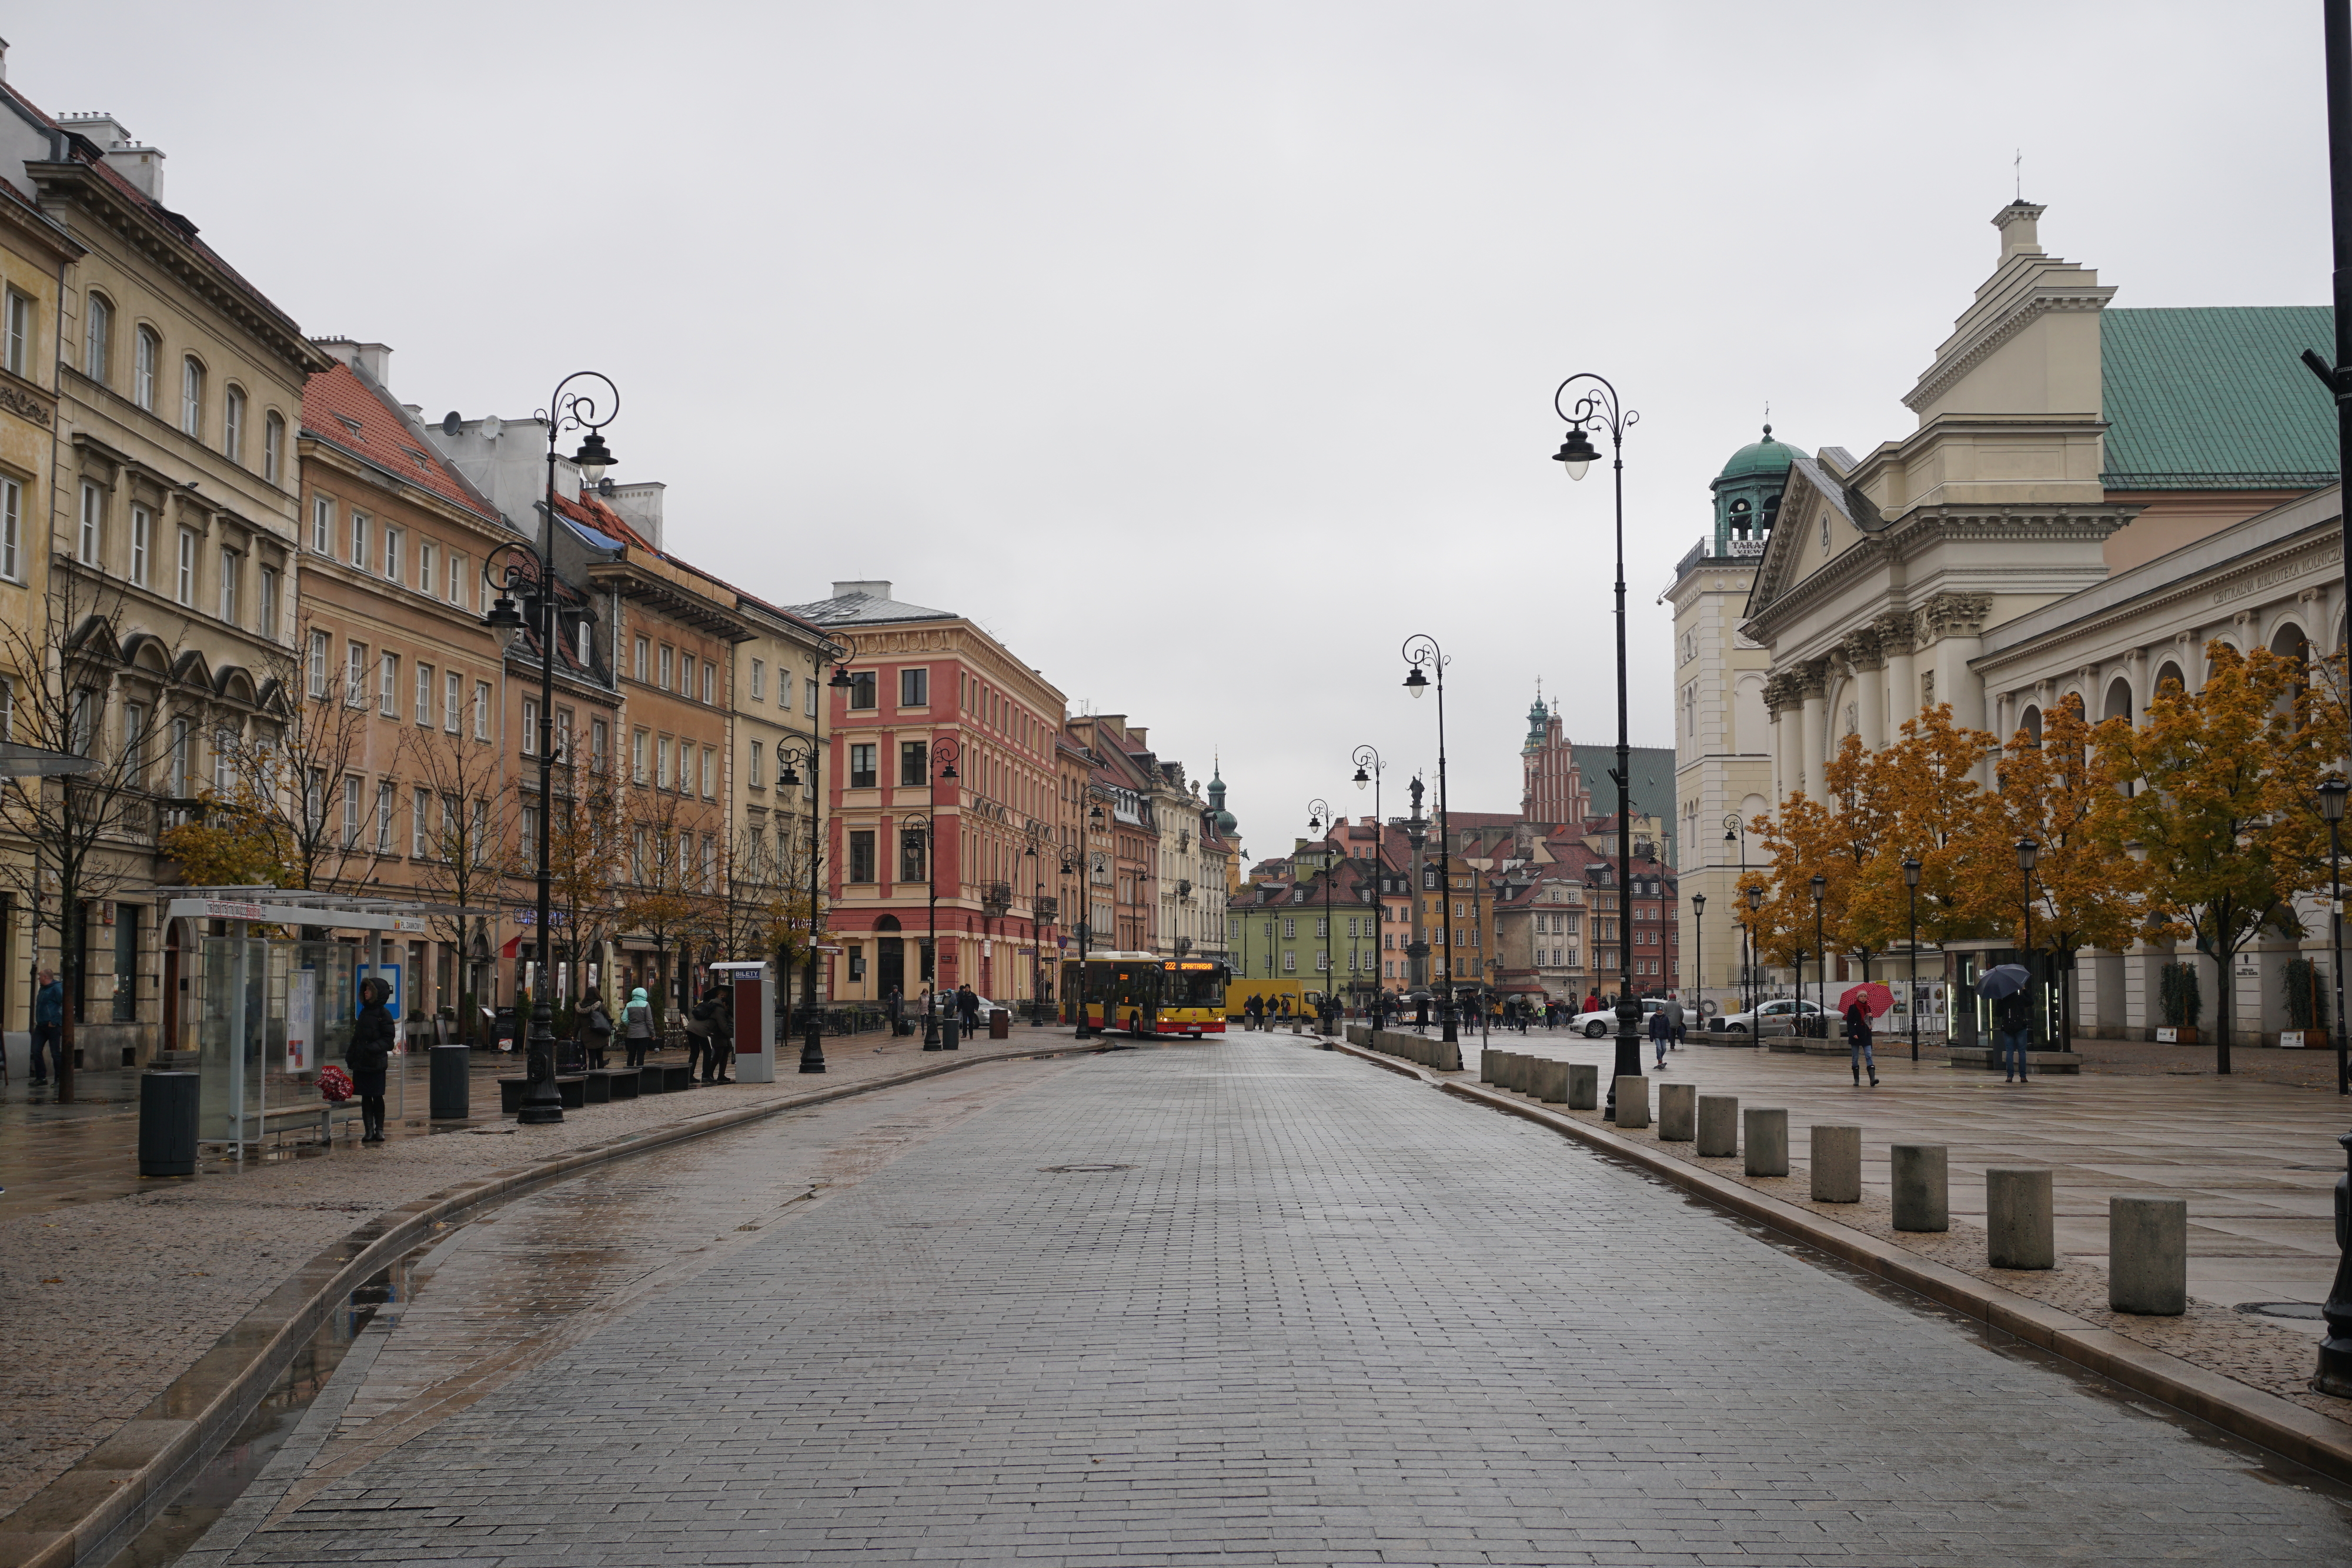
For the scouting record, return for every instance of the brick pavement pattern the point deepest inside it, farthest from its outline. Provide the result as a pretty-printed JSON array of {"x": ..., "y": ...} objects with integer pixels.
[{"x": 1322, "y": 1316}]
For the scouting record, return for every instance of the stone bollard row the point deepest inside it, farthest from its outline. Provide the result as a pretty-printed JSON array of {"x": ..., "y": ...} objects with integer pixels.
[
  {"x": 1549, "y": 1079},
  {"x": 1767, "y": 1130},
  {"x": 2021, "y": 1227},
  {"x": 1923, "y": 1194},
  {"x": 1632, "y": 1100},
  {"x": 1718, "y": 1126},
  {"x": 1837, "y": 1164},
  {"x": 1677, "y": 1113},
  {"x": 1584, "y": 1086},
  {"x": 2147, "y": 1256}
]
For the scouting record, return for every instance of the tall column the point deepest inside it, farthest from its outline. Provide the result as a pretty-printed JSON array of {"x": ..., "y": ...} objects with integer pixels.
[
  {"x": 1865, "y": 657},
  {"x": 1779, "y": 698},
  {"x": 1902, "y": 683},
  {"x": 1813, "y": 742}
]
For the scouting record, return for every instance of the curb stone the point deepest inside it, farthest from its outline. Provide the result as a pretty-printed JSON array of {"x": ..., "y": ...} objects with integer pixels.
[
  {"x": 126, "y": 1479},
  {"x": 2279, "y": 1425}
]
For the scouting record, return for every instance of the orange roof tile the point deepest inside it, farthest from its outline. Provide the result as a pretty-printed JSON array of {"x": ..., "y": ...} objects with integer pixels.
[{"x": 345, "y": 412}]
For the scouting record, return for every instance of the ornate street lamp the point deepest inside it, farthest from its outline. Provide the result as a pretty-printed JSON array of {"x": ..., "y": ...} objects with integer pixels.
[
  {"x": 939, "y": 762},
  {"x": 1599, "y": 405},
  {"x": 1416, "y": 952},
  {"x": 1733, "y": 827},
  {"x": 2332, "y": 791},
  {"x": 1096, "y": 866},
  {"x": 1318, "y": 814},
  {"x": 1035, "y": 844},
  {"x": 589, "y": 408},
  {"x": 1698, "y": 953},
  {"x": 1911, "y": 880},
  {"x": 1423, "y": 654},
  {"x": 1368, "y": 771},
  {"x": 788, "y": 756}
]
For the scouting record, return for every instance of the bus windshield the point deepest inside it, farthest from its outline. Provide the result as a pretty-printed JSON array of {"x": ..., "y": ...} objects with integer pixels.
[{"x": 1202, "y": 987}]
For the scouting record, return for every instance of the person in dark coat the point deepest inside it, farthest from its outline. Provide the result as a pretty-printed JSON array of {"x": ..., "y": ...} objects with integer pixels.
[
  {"x": 967, "y": 1002},
  {"x": 49, "y": 1028},
  {"x": 368, "y": 1054},
  {"x": 1857, "y": 1041},
  {"x": 596, "y": 1029},
  {"x": 1661, "y": 1032},
  {"x": 718, "y": 1045}
]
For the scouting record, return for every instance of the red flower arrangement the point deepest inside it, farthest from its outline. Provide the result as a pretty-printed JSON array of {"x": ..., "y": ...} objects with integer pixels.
[{"x": 335, "y": 1084}]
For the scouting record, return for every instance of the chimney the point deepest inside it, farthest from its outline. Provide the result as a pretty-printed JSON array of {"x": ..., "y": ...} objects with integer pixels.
[
  {"x": 373, "y": 360},
  {"x": 640, "y": 503},
  {"x": 4, "y": 59},
  {"x": 141, "y": 164},
  {"x": 2016, "y": 224},
  {"x": 871, "y": 589}
]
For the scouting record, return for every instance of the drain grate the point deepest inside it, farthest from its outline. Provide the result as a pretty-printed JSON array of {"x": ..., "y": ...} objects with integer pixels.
[
  {"x": 1081, "y": 1170},
  {"x": 2308, "y": 1311}
]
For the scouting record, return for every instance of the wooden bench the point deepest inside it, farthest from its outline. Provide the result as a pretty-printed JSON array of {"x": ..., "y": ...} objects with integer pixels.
[
  {"x": 664, "y": 1078},
  {"x": 609, "y": 1083},
  {"x": 322, "y": 1115}
]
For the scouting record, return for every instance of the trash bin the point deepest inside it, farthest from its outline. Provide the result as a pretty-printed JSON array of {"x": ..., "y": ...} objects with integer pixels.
[
  {"x": 452, "y": 1095},
  {"x": 167, "y": 1123},
  {"x": 1000, "y": 1024},
  {"x": 948, "y": 1024}
]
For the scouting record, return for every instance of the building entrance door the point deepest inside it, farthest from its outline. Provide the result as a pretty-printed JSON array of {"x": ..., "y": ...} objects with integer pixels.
[{"x": 894, "y": 965}]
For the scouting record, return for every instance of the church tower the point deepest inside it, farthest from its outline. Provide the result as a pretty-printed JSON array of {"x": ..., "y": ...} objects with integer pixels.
[{"x": 1552, "y": 791}]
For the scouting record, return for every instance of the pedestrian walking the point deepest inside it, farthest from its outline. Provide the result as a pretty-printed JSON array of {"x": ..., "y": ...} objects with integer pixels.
[
  {"x": 1673, "y": 1011},
  {"x": 48, "y": 1027},
  {"x": 369, "y": 1054},
  {"x": 1857, "y": 1041},
  {"x": 1593, "y": 1000},
  {"x": 894, "y": 1004},
  {"x": 638, "y": 1027},
  {"x": 719, "y": 1040},
  {"x": 967, "y": 1002},
  {"x": 595, "y": 1031},
  {"x": 2010, "y": 1016},
  {"x": 1420, "y": 1012},
  {"x": 697, "y": 1040},
  {"x": 1662, "y": 1033}
]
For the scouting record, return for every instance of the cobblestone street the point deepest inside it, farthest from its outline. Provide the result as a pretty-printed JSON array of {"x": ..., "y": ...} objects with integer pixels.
[{"x": 1280, "y": 1306}]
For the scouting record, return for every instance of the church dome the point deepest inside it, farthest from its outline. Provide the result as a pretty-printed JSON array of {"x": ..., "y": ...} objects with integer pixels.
[{"x": 1759, "y": 458}]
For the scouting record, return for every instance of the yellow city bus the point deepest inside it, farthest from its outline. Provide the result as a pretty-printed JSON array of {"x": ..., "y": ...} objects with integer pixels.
[{"x": 1146, "y": 994}]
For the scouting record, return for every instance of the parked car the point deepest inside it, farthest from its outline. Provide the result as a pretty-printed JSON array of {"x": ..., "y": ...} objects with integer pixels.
[
  {"x": 1772, "y": 1018},
  {"x": 1596, "y": 1026}
]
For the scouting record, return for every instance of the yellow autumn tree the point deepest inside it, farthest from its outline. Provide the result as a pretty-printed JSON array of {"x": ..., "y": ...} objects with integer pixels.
[
  {"x": 1934, "y": 813},
  {"x": 1836, "y": 839}
]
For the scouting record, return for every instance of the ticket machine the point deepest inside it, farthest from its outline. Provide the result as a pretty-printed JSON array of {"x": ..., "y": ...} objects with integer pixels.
[{"x": 752, "y": 988}]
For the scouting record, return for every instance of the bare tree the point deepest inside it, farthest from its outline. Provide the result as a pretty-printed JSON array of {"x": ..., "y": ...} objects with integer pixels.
[
  {"x": 670, "y": 888},
  {"x": 461, "y": 847},
  {"x": 587, "y": 838}
]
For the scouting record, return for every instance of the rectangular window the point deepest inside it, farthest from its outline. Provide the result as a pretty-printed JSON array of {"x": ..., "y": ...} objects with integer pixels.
[
  {"x": 267, "y": 625},
  {"x": 668, "y": 665},
  {"x": 861, "y": 766},
  {"x": 424, "y": 695},
  {"x": 355, "y": 660},
  {"x": 175, "y": 775},
  {"x": 638, "y": 856},
  {"x": 709, "y": 774},
  {"x": 320, "y": 647},
  {"x": 420, "y": 832},
  {"x": 425, "y": 561},
  {"x": 1290, "y": 927},
  {"x": 351, "y": 813},
  {"x": 459, "y": 568},
  {"x": 1322, "y": 928},
  {"x": 784, "y": 688},
  {"x": 387, "y": 806},
  {"x": 19, "y": 351},
  {"x": 637, "y": 757},
  {"x": 359, "y": 541},
  {"x": 600, "y": 743},
  {"x": 135, "y": 734},
  {"x": 323, "y": 524},
  {"x": 914, "y": 688},
  {"x": 661, "y": 763},
  {"x": 752, "y": 764},
  {"x": 530, "y": 726},
  {"x": 808, "y": 697},
  {"x": 143, "y": 538},
  {"x": 93, "y": 514},
  {"x": 12, "y": 530},
  {"x": 392, "y": 555},
  {"x": 453, "y": 701},
  {"x": 710, "y": 863},
  {"x": 759, "y": 681},
  {"x": 481, "y": 710},
  {"x": 232, "y": 426},
  {"x": 637, "y": 669},
  {"x": 273, "y": 446},
  {"x": 143, "y": 369},
  {"x": 710, "y": 681},
  {"x": 914, "y": 763},
  {"x": 861, "y": 855},
  {"x": 228, "y": 576},
  {"x": 98, "y": 339},
  {"x": 529, "y": 828},
  {"x": 477, "y": 832},
  {"x": 563, "y": 735},
  {"x": 861, "y": 690},
  {"x": 191, "y": 398},
  {"x": 686, "y": 677},
  {"x": 387, "y": 686},
  {"x": 1289, "y": 962}
]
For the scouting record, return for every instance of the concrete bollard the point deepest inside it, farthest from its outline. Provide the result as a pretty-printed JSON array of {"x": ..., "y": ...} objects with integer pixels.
[
  {"x": 1677, "y": 1113},
  {"x": 2020, "y": 1231},
  {"x": 1767, "y": 1129},
  {"x": 1584, "y": 1086},
  {"x": 1445, "y": 1057},
  {"x": 1837, "y": 1164},
  {"x": 1515, "y": 1073},
  {"x": 1718, "y": 1126},
  {"x": 1490, "y": 1061},
  {"x": 2147, "y": 1256},
  {"x": 1550, "y": 1080},
  {"x": 1632, "y": 1100},
  {"x": 1923, "y": 1189}
]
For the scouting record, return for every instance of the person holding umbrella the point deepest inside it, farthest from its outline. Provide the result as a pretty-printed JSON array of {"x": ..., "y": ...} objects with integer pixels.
[
  {"x": 2005, "y": 986},
  {"x": 1861, "y": 1004}
]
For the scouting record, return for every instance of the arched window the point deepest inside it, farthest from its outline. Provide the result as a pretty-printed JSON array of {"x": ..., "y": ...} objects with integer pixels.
[
  {"x": 2169, "y": 681},
  {"x": 98, "y": 338},
  {"x": 191, "y": 397},
  {"x": 143, "y": 369},
  {"x": 2029, "y": 721},
  {"x": 273, "y": 447},
  {"x": 2119, "y": 700},
  {"x": 232, "y": 426}
]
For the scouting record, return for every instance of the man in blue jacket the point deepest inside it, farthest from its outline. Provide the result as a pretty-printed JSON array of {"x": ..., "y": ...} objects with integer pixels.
[{"x": 48, "y": 1025}]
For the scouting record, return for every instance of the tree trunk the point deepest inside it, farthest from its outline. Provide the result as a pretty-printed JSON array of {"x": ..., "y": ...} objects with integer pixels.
[{"x": 2227, "y": 1010}]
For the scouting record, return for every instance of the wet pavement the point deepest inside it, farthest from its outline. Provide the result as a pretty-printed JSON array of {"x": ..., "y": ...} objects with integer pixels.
[{"x": 1241, "y": 1301}]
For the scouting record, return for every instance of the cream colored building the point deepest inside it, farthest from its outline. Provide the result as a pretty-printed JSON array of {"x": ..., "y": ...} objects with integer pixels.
[
  {"x": 2091, "y": 493},
  {"x": 780, "y": 682}
]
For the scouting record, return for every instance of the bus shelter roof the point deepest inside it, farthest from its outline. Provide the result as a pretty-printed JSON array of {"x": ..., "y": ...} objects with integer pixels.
[{"x": 295, "y": 906}]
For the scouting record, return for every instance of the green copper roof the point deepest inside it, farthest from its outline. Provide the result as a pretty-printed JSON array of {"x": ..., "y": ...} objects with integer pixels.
[
  {"x": 2214, "y": 398},
  {"x": 1765, "y": 456}
]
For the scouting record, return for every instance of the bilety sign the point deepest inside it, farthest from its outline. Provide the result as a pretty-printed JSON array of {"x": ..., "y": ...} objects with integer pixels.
[{"x": 224, "y": 909}]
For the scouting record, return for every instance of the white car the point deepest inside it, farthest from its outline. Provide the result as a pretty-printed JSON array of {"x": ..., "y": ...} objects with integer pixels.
[
  {"x": 1772, "y": 1018},
  {"x": 1598, "y": 1025}
]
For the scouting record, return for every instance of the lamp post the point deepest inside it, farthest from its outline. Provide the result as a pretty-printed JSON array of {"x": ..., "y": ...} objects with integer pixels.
[
  {"x": 1821, "y": 1028},
  {"x": 1416, "y": 952},
  {"x": 1096, "y": 866},
  {"x": 1366, "y": 759},
  {"x": 1600, "y": 405},
  {"x": 1698, "y": 953},
  {"x": 1034, "y": 851},
  {"x": 2028, "y": 852},
  {"x": 1911, "y": 882},
  {"x": 938, "y": 763},
  {"x": 2332, "y": 791},
  {"x": 1748, "y": 928},
  {"x": 788, "y": 777},
  {"x": 1421, "y": 652},
  {"x": 533, "y": 572},
  {"x": 1733, "y": 827},
  {"x": 1318, "y": 813}
]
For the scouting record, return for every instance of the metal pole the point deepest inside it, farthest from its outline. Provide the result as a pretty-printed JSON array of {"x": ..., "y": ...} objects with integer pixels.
[
  {"x": 1912, "y": 1005},
  {"x": 1449, "y": 1029},
  {"x": 811, "y": 1044},
  {"x": 2336, "y": 935},
  {"x": 542, "y": 1102}
]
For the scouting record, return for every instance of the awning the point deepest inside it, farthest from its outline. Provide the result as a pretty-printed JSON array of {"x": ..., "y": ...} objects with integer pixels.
[{"x": 38, "y": 762}]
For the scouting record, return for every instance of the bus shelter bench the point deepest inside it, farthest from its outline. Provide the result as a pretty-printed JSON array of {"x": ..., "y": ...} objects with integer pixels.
[
  {"x": 321, "y": 1118},
  {"x": 571, "y": 1086}
]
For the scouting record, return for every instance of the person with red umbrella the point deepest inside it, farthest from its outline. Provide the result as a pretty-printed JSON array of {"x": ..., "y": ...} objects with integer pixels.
[{"x": 1862, "y": 1003}]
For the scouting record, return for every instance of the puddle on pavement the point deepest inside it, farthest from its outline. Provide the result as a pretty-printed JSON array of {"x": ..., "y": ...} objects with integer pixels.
[{"x": 207, "y": 1494}]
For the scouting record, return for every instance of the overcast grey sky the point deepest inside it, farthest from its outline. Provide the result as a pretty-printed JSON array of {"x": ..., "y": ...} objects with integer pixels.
[{"x": 1205, "y": 351}]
